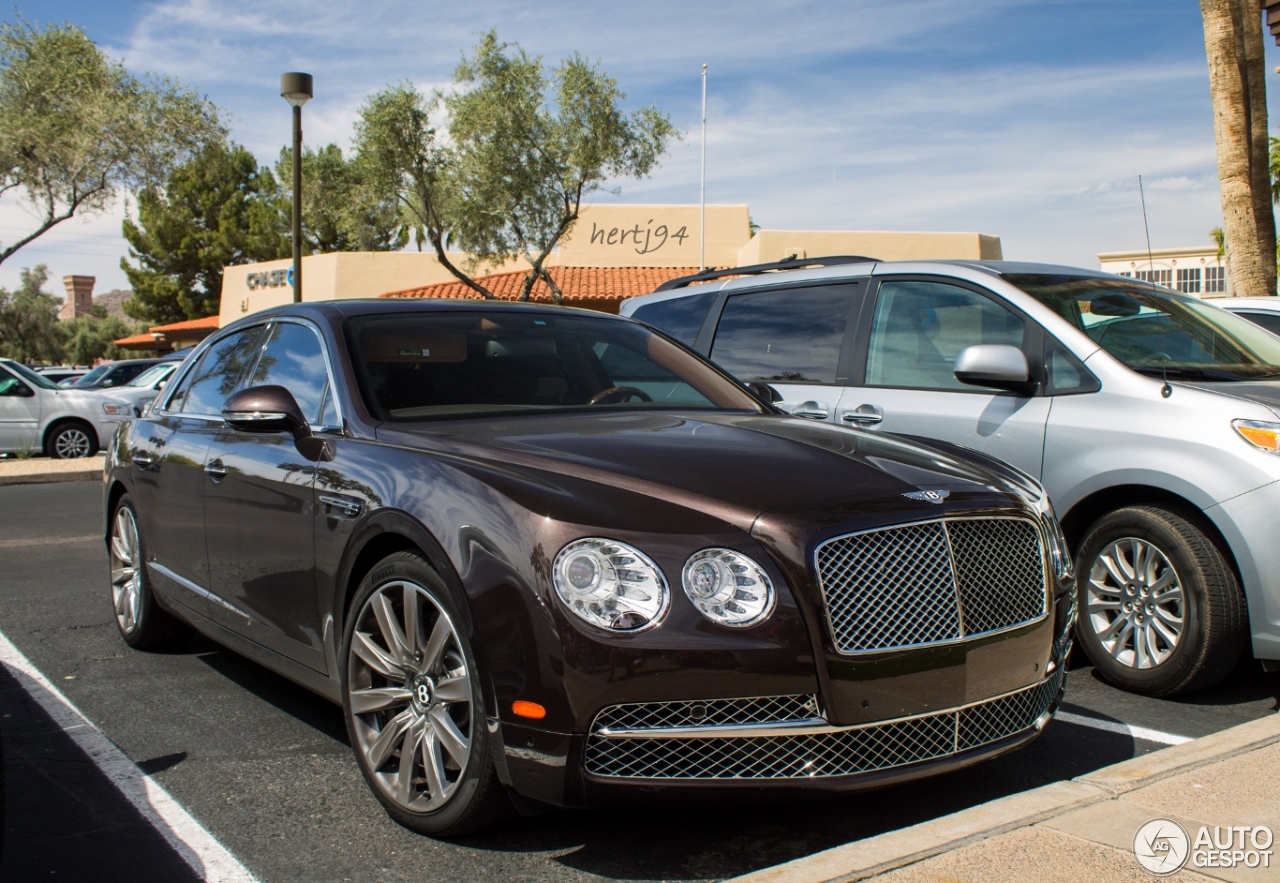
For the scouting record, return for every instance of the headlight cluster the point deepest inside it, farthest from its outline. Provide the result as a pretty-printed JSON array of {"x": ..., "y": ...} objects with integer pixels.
[
  {"x": 615, "y": 586},
  {"x": 1262, "y": 435},
  {"x": 117, "y": 409}
]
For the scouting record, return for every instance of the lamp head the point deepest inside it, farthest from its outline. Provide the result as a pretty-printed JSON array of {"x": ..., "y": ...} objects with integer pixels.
[{"x": 296, "y": 88}]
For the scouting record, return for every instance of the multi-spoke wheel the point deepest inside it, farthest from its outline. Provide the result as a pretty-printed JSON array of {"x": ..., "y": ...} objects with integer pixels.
[
  {"x": 414, "y": 708},
  {"x": 1161, "y": 610},
  {"x": 69, "y": 441},
  {"x": 141, "y": 621}
]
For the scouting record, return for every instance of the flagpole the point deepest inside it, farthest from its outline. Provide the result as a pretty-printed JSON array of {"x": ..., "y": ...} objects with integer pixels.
[{"x": 702, "y": 190}]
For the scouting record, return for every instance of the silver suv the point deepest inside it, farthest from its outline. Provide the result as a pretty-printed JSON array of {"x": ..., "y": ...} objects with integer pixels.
[{"x": 1152, "y": 418}]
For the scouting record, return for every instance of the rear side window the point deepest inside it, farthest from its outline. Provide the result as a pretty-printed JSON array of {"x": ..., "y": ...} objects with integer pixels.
[
  {"x": 680, "y": 317},
  {"x": 790, "y": 335},
  {"x": 218, "y": 374},
  {"x": 1269, "y": 321}
]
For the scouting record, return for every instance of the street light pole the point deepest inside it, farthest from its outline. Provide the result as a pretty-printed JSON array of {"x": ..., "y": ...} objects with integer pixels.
[
  {"x": 702, "y": 189},
  {"x": 296, "y": 88}
]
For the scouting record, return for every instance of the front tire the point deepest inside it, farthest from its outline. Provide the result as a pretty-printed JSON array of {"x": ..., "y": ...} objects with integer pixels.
[
  {"x": 1161, "y": 611},
  {"x": 71, "y": 441},
  {"x": 141, "y": 621},
  {"x": 413, "y": 704}
]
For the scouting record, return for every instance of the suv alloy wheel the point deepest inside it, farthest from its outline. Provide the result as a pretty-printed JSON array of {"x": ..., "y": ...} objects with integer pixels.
[{"x": 1161, "y": 612}]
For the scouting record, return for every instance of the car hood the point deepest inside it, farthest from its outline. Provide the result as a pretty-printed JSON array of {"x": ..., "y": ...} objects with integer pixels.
[
  {"x": 731, "y": 465},
  {"x": 1262, "y": 392}
]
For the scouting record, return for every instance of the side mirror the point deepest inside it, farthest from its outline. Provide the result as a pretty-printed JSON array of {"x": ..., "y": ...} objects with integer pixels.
[
  {"x": 108, "y": 382},
  {"x": 763, "y": 391},
  {"x": 162, "y": 383},
  {"x": 996, "y": 365},
  {"x": 266, "y": 409}
]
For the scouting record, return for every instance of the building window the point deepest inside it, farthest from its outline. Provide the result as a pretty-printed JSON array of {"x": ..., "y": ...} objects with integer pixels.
[
  {"x": 1159, "y": 277},
  {"x": 1189, "y": 280},
  {"x": 1126, "y": 274},
  {"x": 1215, "y": 279}
]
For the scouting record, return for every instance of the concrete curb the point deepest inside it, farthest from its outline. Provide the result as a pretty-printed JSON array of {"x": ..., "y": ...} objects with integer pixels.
[
  {"x": 44, "y": 471},
  {"x": 895, "y": 849}
]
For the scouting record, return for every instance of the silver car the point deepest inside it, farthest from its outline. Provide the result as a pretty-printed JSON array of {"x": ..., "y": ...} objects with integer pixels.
[
  {"x": 1152, "y": 418},
  {"x": 38, "y": 416}
]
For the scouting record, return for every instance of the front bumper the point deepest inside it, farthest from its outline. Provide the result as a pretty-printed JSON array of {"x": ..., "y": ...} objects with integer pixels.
[{"x": 1248, "y": 523}]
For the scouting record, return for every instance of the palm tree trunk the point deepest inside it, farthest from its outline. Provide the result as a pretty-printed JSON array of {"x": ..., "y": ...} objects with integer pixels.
[
  {"x": 1259, "y": 144},
  {"x": 1251, "y": 271}
]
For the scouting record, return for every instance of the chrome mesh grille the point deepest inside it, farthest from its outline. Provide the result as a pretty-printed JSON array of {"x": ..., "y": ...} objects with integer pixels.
[
  {"x": 931, "y": 582},
  {"x": 709, "y": 713},
  {"x": 841, "y": 752},
  {"x": 1000, "y": 572},
  {"x": 889, "y": 588}
]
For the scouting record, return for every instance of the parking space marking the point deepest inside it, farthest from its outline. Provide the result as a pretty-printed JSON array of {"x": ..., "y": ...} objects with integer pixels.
[
  {"x": 1123, "y": 729},
  {"x": 191, "y": 840}
]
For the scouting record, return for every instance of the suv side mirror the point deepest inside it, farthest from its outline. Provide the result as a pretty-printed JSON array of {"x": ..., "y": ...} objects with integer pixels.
[{"x": 996, "y": 365}]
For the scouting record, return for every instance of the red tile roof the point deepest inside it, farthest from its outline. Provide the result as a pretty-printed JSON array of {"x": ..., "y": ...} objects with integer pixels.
[
  {"x": 208, "y": 323},
  {"x": 577, "y": 283},
  {"x": 135, "y": 341}
]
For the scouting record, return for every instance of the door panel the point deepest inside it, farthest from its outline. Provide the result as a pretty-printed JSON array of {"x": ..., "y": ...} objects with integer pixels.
[
  {"x": 917, "y": 330},
  {"x": 19, "y": 414}
]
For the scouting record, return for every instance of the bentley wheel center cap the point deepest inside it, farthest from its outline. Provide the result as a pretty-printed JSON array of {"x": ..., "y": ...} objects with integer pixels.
[{"x": 423, "y": 693}]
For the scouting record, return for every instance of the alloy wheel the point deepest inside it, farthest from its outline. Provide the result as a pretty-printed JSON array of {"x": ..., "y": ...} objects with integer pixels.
[
  {"x": 410, "y": 694},
  {"x": 72, "y": 443},
  {"x": 1135, "y": 603},
  {"x": 126, "y": 580}
]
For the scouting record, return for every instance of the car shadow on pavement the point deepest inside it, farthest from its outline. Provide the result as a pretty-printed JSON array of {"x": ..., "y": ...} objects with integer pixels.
[{"x": 64, "y": 819}]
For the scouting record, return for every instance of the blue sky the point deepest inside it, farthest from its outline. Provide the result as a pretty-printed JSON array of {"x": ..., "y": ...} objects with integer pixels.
[{"x": 1027, "y": 119}]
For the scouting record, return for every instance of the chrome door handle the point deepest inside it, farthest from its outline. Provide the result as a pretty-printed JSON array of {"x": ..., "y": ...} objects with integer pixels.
[
  {"x": 215, "y": 470},
  {"x": 864, "y": 414},
  {"x": 344, "y": 506},
  {"x": 811, "y": 411},
  {"x": 143, "y": 461}
]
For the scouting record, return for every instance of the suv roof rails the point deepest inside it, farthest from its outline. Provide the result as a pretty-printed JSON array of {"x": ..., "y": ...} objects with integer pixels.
[{"x": 788, "y": 263}]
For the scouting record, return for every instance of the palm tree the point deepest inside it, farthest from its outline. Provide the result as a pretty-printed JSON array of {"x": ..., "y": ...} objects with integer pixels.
[{"x": 1233, "y": 45}]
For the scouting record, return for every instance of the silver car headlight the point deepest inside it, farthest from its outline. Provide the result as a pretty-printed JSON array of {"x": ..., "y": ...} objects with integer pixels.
[
  {"x": 611, "y": 585},
  {"x": 117, "y": 409},
  {"x": 728, "y": 588}
]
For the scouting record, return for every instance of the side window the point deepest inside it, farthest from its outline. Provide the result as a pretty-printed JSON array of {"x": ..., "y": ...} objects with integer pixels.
[
  {"x": 218, "y": 374},
  {"x": 294, "y": 359},
  {"x": 329, "y": 410},
  {"x": 9, "y": 384},
  {"x": 680, "y": 317},
  {"x": 1064, "y": 373},
  {"x": 791, "y": 335},
  {"x": 1269, "y": 321},
  {"x": 920, "y": 327}
]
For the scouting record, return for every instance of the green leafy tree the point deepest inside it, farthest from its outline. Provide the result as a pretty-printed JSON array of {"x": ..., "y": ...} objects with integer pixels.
[
  {"x": 216, "y": 210},
  {"x": 338, "y": 212},
  {"x": 89, "y": 338},
  {"x": 76, "y": 128},
  {"x": 531, "y": 145},
  {"x": 29, "y": 320},
  {"x": 402, "y": 160}
]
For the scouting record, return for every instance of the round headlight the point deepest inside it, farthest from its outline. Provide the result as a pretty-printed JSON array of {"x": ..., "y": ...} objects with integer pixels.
[
  {"x": 611, "y": 585},
  {"x": 727, "y": 587}
]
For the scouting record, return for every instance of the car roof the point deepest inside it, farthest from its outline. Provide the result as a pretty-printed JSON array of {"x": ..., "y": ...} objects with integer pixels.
[
  {"x": 346, "y": 309},
  {"x": 1270, "y": 304}
]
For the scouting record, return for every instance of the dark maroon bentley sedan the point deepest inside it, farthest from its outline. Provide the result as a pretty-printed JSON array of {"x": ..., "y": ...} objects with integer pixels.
[{"x": 548, "y": 556}]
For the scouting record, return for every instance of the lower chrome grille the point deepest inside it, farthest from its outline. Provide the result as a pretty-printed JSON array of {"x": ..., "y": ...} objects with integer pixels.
[
  {"x": 829, "y": 752},
  {"x": 712, "y": 712}
]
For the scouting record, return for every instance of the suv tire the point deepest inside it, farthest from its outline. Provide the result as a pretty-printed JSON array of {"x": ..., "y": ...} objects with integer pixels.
[{"x": 1161, "y": 611}]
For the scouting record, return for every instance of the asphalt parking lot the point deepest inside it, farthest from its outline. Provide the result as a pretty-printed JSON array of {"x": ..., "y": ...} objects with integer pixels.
[{"x": 265, "y": 767}]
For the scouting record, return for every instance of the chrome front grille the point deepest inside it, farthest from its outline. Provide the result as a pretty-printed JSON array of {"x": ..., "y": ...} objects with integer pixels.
[
  {"x": 712, "y": 712},
  {"x": 932, "y": 582},
  {"x": 813, "y": 751}
]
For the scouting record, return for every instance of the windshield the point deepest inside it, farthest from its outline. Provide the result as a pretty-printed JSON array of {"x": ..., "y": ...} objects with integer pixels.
[
  {"x": 95, "y": 375},
  {"x": 417, "y": 367},
  {"x": 153, "y": 375},
  {"x": 31, "y": 376},
  {"x": 1156, "y": 331}
]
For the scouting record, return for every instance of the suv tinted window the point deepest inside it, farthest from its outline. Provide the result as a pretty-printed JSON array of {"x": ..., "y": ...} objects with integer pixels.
[
  {"x": 125, "y": 373},
  {"x": 1269, "y": 321},
  {"x": 680, "y": 317},
  {"x": 294, "y": 359},
  {"x": 791, "y": 335},
  {"x": 920, "y": 327},
  {"x": 218, "y": 374}
]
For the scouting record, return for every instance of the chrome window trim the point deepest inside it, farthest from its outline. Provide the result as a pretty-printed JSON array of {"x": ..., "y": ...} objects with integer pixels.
[
  {"x": 1046, "y": 569},
  {"x": 164, "y": 411}
]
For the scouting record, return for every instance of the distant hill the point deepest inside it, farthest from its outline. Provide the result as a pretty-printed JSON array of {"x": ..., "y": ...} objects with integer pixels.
[{"x": 113, "y": 302}]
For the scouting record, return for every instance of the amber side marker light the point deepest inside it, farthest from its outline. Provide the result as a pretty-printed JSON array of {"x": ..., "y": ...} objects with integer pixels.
[{"x": 528, "y": 709}]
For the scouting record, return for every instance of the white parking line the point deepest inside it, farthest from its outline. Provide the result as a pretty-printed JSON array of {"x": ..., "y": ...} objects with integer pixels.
[
  {"x": 1123, "y": 729},
  {"x": 201, "y": 850}
]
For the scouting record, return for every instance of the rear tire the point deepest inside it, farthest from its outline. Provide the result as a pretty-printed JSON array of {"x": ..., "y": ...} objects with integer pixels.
[
  {"x": 413, "y": 703},
  {"x": 141, "y": 621},
  {"x": 1161, "y": 611}
]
